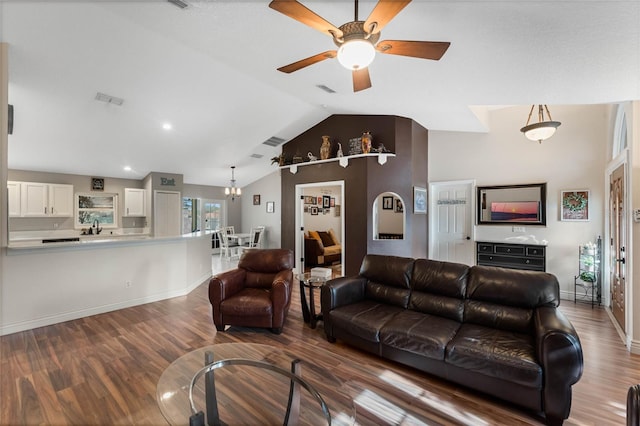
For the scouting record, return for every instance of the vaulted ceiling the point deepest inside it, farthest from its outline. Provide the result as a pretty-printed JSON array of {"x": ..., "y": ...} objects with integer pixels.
[{"x": 210, "y": 71}]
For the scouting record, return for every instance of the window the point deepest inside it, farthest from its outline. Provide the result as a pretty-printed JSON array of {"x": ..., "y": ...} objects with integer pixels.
[
  {"x": 620, "y": 132},
  {"x": 90, "y": 207}
]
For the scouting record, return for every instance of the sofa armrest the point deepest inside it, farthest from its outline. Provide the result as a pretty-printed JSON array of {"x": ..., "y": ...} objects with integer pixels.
[
  {"x": 342, "y": 291},
  {"x": 560, "y": 354}
]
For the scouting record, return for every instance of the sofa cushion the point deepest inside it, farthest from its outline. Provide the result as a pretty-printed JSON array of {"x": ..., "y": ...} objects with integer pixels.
[
  {"x": 325, "y": 238},
  {"x": 328, "y": 251},
  {"x": 496, "y": 353},
  {"x": 315, "y": 236},
  {"x": 505, "y": 298},
  {"x": 418, "y": 333},
  {"x": 438, "y": 288},
  {"x": 333, "y": 236},
  {"x": 364, "y": 319}
]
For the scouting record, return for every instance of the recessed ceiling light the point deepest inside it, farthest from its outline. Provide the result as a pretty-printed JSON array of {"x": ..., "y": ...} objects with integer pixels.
[
  {"x": 167, "y": 126},
  {"x": 127, "y": 168}
]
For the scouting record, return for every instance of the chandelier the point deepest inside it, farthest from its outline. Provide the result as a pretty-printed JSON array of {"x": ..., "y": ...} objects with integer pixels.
[
  {"x": 232, "y": 190},
  {"x": 542, "y": 130}
]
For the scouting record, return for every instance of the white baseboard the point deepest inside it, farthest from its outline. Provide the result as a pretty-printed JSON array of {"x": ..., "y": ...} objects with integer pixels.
[{"x": 73, "y": 315}]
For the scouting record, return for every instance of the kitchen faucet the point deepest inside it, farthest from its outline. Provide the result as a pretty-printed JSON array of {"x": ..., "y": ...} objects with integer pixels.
[{"x": 96, "y": 225}]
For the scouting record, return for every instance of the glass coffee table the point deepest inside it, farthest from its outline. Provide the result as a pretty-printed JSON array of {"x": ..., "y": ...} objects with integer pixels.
[
  {"x": 309, "y": 309},
  {"x": 251, "y": 383}
]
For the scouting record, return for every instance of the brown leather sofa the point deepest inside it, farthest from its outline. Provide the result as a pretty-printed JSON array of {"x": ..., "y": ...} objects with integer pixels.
[
  {"x": 257, "y": 293},
  {"x": 491, "y": 329}
]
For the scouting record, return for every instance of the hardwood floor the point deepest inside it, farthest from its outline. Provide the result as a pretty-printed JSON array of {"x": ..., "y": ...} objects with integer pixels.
[{"x": 104, "y": 369}]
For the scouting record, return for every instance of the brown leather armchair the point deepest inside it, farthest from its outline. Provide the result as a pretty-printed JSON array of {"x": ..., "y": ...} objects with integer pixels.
[
  {"x": 633, "y": 406},
  {"x": 257, "y": 293}
]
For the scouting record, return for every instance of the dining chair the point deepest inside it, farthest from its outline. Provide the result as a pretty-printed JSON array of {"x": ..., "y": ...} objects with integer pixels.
[
  {"x": 255, "y": 238},
  {"x": 225, "y": 247}
]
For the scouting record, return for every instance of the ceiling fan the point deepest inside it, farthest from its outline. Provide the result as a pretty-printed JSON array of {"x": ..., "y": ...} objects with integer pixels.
[{"x": 357, "y": 41}]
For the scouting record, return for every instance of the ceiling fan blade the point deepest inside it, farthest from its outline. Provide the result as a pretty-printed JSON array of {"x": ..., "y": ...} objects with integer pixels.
[
  {"x": 384, "y": 12},
  {"x": 299, "y": 12},
  {"x": 308, "y": 61},
  {"x": 361, "y": 79},
  {"x": 417, "y": 49}
]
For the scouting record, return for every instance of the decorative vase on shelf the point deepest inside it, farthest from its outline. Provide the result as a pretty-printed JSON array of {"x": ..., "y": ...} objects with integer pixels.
[
  {"x": 366, "y": 142},
  {"x": 325, "y": 148}
]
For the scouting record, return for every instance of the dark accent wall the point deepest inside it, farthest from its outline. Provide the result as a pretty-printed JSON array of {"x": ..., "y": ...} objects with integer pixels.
[{"x": 364, "y": 179}]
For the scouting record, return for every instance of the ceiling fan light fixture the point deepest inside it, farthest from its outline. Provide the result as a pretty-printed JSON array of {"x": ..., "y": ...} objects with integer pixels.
[
  {"x": 542, "y": 130},
  {"x": 356, "y": 54}
]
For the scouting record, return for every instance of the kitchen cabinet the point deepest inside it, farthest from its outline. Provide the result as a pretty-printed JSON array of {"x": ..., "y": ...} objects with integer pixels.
[
  {"x": 45, "y": 200},
  {"x": 134, "y": 202},
  {"x": 13, "y": 189}
]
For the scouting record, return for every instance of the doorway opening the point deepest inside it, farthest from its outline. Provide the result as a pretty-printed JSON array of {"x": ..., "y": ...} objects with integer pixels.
[{"x": 320, "y": 214}]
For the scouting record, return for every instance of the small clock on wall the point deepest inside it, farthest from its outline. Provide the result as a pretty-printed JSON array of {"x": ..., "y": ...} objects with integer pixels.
[{"x": 97, "y": 184}]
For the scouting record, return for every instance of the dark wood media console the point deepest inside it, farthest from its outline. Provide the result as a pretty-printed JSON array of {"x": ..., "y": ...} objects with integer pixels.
[{"x": 513, "y": 256}]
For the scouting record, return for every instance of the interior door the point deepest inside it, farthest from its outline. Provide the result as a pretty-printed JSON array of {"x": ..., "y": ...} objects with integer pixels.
[
  {"x": 451, "y": 222},
  {"x": 618, "y": 244},
  {"x": 167, "y": 214}
]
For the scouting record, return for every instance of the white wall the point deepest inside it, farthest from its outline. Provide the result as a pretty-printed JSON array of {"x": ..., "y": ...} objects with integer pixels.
[
  {"x": 574, "y": 158},
  {"x": 269, "y": 189}
]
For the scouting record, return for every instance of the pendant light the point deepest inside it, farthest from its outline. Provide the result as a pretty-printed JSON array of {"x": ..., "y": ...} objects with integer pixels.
[
  {"x": 542, "y": 130},
  {"x": 232, "y": 190}
]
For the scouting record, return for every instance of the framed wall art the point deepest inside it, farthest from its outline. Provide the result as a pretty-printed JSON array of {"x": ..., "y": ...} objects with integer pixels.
[
  {"x": 419, "y": 200},
  {"x": 256, "y": 200},
  {"x": 387, "y": 203},
  {"x": 574, "y": 205},
  {"x": 271, "y": 206}
]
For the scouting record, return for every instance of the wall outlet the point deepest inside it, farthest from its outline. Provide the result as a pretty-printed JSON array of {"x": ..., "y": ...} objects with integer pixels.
[
  {"x": 518, "y": 229},
  {"x": 127, "y": 284}
]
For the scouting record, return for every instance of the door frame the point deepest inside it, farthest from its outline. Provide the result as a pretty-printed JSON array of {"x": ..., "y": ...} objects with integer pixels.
[
  {"x": 620, "y": 160},
  {"x": 433, "y": 205},
  {"x": 299, "y": 206}
]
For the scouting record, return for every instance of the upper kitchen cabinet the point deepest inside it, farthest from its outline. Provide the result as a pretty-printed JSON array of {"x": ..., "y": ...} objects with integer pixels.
[
  {"x": 13, "y": 189},
  {"x": 40, "y": 199},
  {"x": 134, "y": 202}
]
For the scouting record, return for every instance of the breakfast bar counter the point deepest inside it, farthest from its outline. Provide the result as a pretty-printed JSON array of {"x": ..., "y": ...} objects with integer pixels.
[{"x": 52, "y": 282}]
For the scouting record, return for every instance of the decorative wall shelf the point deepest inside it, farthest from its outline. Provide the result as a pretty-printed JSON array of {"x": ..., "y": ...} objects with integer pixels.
[{"x": 344, "y": 161}]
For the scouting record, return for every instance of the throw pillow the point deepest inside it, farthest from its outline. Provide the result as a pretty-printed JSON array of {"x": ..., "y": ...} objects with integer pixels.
[
  {"x": 333, "y": 236},
  {"x": 326, "y": 238},
  {"x": 314, "y": 234}
]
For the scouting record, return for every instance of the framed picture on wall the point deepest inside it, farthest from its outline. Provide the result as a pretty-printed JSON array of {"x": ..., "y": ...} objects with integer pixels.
[
  {"x": 337, "y": 210},
  {"x": 314, "y": 210},
  {"x": 326, "y": 201},
  {"x": 387, "y": 203},
  {"x": 320, "y": 200},
  {"x": 333, "y": 201},
  {"x": 574, "y": 205},
  {"x": 419, "y": 200},
  {"x": 271, "y": 206},
  {"x": 256, "y": 200},
  {"x": 399, "y": 206}
]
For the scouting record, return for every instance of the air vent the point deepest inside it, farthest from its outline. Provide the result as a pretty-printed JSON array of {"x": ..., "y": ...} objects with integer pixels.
[
  {"x": 179, "y": 3},
  {"x": 109, "y": 99},
  {"x": 325, "y": 88},
  {"x": 256, "y": 155},
  {"x": 274, "y": 141}
]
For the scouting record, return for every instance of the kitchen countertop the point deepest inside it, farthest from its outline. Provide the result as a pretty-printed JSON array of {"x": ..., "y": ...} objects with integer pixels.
[{"x": 30, "y": 242}]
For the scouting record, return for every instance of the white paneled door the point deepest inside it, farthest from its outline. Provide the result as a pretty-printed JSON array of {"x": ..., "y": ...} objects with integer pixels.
[
  {"x": 450, "y": 222},
  {"x": 167, "y": 214}
]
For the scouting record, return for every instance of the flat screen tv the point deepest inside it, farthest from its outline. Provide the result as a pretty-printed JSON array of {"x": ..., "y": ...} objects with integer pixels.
[{"x": 515, "y": 211}]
